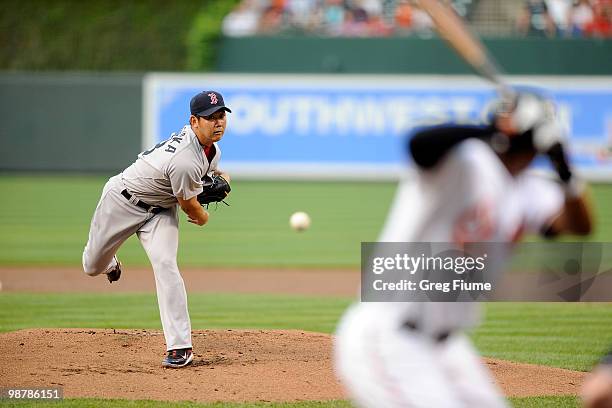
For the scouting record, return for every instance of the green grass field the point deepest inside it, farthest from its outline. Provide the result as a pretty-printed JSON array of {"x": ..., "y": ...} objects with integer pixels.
[
  {"x": 253, "y": 231},
  {"x": 47, "y": 219}
]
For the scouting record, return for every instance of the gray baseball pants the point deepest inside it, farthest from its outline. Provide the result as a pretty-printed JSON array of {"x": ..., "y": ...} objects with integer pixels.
[{"x": 113, "y": 222}]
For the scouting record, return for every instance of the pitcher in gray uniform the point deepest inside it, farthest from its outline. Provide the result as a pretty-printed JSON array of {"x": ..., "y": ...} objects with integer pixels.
[{"x": 143, "y": 200}]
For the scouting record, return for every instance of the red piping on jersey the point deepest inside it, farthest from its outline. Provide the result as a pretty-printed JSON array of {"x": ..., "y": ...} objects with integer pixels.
[{"x": 207, "y": 152}]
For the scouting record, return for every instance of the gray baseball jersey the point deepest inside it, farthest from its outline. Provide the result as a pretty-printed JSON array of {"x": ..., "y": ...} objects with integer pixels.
[{"x": 173, "y": 168}]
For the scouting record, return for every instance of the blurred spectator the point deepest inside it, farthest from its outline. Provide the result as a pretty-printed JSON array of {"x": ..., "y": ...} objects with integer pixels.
[
  {"x": 560, "y": 11},
  {"x": 378, "y": 27},
  {"x": 274, "y": 19},
  {"x": 304, "y": 15},
  {"x": 421, "y": 21},
  {"x": 360, "y": 14},
  {"x": 403, "y": 17},
  {"x": 371, "y": 18},
  {"x": 242, "y": 21},
  {"x": 374, "y": 8},
  {"x": 333, "y": 16},
  {"x": 535, "y": 20},
  {"x": 362, "y": 19},
  {"x": 581, "y": 15},
  {"x": 601, "y": 25},
  {"x": 329, "y": 17}
]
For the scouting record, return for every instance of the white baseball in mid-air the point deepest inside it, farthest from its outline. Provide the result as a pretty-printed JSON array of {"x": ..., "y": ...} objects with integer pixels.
[{"x": 299, "y": 221}]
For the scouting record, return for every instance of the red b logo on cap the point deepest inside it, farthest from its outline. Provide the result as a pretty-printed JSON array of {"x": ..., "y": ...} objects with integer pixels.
[{"x": 213, "y": 98}]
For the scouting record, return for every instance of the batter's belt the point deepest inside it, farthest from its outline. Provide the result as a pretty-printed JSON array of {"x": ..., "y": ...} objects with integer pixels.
[{"x": 438, "y": 337}]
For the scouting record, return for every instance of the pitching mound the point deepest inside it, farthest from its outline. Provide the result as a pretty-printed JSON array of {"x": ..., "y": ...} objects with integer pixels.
[{"x": 230, "y": 365}]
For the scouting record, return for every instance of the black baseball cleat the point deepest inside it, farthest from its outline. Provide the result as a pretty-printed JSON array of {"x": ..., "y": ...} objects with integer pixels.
[
  {"x": 115, "y": 273},
  {"x": 178, "y": 358}
]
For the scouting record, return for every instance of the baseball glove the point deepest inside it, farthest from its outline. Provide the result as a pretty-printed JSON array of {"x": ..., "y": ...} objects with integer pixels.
[{"x": 215, "y": 192}]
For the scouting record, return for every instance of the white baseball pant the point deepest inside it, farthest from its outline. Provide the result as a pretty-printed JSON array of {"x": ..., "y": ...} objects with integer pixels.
[{"x": 386, "y": 365}]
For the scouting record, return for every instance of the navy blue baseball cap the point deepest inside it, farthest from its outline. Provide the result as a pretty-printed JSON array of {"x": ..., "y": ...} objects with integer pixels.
[{"x": 206, "y": 103}]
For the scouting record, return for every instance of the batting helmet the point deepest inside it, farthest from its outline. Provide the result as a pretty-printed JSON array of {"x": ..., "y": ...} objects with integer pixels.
[{"x": 534, "y": 120}]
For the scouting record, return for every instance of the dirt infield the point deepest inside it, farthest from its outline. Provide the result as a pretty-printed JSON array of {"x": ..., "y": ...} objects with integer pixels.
[
  {"x": 230, "y": 365},
  {"x": 287, "y": 281}
]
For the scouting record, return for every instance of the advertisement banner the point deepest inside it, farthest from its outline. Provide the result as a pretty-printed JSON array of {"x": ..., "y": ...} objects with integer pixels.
[{"x": 284, "y": 126}]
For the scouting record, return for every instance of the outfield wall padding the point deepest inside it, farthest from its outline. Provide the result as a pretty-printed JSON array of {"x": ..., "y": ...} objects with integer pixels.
[
  {"x": 66, "y": 122},
  {"x": 517, "y": 56}
]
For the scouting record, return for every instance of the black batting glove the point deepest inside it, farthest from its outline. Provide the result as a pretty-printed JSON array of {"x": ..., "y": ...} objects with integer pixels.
[
  {"x": 559, "y": 160},
  {"x": 572, "y": 185}
]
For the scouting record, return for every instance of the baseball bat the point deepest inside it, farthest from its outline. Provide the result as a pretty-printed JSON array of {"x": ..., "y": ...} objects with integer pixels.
[{"x": 466, "y": 44}]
